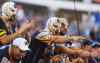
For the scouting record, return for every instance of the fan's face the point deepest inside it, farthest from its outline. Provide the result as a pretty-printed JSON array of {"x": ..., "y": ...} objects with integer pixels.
[
  {"x": 64, "y": 27},
  {"x": 17, "y": 54},
  {"x": 12, "y": 17},
  {"x": 12, "y": 14}
]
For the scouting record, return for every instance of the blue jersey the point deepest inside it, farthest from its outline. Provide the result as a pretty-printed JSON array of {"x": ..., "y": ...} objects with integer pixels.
[{"x": 4, "y": 55}]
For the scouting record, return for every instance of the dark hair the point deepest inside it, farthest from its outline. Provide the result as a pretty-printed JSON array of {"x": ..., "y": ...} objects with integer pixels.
[
  {"x": 86, "y": 42},
  {"x": 92, "y": 34},
  {"x": 96, "y": 46}
]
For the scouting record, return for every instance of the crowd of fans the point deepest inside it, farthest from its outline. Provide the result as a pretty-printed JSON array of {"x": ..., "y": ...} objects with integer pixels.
[{"x": 29, "y": 40}]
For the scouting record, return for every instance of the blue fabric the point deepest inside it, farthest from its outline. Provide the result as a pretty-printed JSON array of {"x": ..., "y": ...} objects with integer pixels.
[
  {"x": 97, "y": 18},
  {"x": 4, "y": 53},
  {"x": 73, "y": 29},
  {"x": 92, "y": 60}
]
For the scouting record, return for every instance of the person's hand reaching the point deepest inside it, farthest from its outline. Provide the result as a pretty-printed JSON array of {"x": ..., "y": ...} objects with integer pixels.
[{"x": 25, "y": 27}]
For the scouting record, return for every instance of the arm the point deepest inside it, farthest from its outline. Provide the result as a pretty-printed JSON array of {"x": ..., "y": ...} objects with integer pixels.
[
  {"x": 72, "y": 50},
  {"x": 78, "y": 51},
  {"x": 8, "y": 38},
  {"x": 5, "y": 39},
  {"x": 59, "y": 39},
  {"x": 52, "y": 38}
]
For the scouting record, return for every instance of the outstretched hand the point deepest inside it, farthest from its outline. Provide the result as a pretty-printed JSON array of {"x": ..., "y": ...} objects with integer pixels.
[
  {"x": 25, "y": 27},
  {"x": 77, "y": 38}
]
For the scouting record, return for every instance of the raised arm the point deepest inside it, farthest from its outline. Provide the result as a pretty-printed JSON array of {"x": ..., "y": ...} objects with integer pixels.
[{"x": 5, "y": 39}]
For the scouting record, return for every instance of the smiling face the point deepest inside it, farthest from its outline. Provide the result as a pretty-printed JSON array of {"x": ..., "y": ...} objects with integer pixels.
[
  {"x": 16, "y": 53},
  {"x": 64, "y": 27},
  {"x": 57, "y": 25}
]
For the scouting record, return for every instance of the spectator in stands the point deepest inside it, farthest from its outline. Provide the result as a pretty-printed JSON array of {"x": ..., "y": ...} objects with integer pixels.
[
  {"x": 54, "y": 32},
  {"x": 15, "y": 52},
  {"x": 7, "y": 18}
]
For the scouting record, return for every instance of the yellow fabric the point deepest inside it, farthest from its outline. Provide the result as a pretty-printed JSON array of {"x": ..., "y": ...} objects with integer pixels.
[{"x": 2, "y": 32}]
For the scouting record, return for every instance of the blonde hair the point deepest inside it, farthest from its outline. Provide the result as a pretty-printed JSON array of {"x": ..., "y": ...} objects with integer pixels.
[
  {"x": 54, "y": 24},
  {"x": 8, "y": 8}
]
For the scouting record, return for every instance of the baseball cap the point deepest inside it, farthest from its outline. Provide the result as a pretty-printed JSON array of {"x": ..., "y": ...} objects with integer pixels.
[{"x": 21, "y": 43}]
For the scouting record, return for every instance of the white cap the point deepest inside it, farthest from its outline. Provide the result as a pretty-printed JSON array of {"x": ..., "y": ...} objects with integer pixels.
[
  {"x": 76, "y": 45},
  {"x": 21, "y": 43}
]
